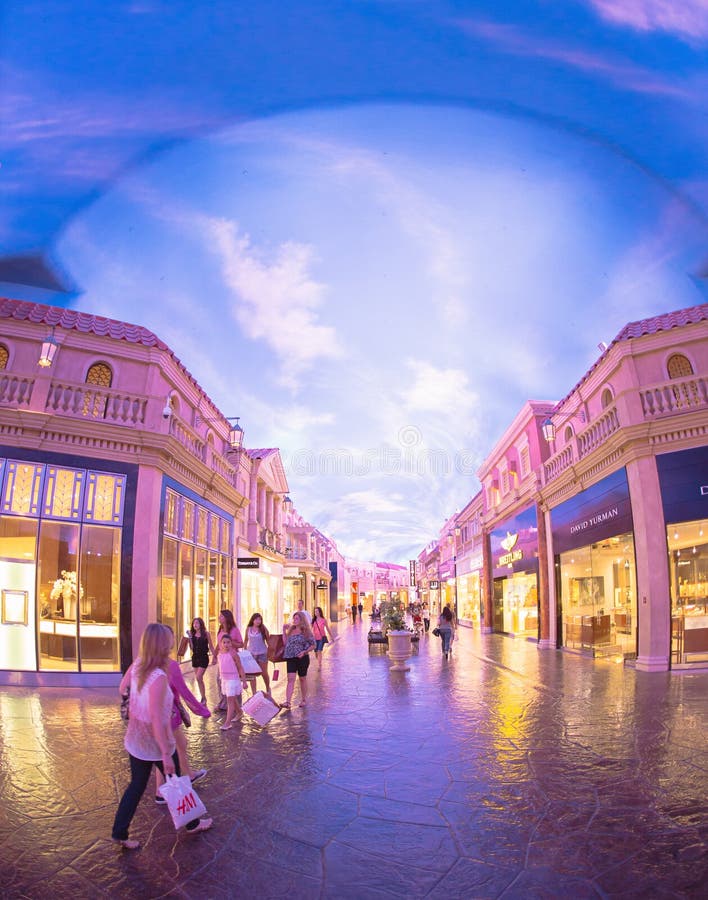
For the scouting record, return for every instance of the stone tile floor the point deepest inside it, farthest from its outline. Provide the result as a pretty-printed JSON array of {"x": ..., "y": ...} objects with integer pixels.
[{"x": 503, "y": 772}]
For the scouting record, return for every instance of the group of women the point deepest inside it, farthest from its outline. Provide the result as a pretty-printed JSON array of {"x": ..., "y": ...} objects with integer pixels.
[{"x": 157, "y": 692}]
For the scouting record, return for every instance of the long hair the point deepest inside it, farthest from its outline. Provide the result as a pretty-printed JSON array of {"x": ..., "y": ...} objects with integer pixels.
[
  {"x": 155, "y": 647},
  {"x": 263, "y": 630},
  {"x": 304, "y": 625},
  {"x": 202, "y": 627},
  {"x": 317, "y": 613},
  {"x": 447, "y": 614},
  {"x": 229, "y": 617}
]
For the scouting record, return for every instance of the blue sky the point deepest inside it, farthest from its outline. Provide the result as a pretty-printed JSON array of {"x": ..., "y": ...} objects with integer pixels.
[{"x": 370, "y": 229}]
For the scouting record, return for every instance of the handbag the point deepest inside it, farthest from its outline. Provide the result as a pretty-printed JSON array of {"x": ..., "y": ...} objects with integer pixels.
[
  {"x": 125, "y": 706},
  {"x": 260, "y": 708},
  {"x": 183, "y": 645},
  {"x": 276, "y": 648},
  {"x": 183, "y": 712},
  {"x": 182, "y": 800},
  {"x": 436, "y": 632}
]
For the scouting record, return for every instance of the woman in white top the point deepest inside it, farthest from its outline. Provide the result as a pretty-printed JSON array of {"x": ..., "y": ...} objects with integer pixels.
[
  {"x": 149, "y": 739},
  {"x": 256, "y": 640}
]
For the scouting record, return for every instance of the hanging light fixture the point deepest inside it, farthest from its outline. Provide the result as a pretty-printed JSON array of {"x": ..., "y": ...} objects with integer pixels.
[
  {"x": 236, "y": 435},
  {"x": 49, "y": 350}
]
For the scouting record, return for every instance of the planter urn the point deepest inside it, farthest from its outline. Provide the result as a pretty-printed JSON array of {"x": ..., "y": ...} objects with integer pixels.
[{"x": 399, "y": 649}]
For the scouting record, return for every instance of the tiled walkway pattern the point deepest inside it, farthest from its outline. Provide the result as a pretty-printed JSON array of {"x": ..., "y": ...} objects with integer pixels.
[{"x": 504, "y": 772}]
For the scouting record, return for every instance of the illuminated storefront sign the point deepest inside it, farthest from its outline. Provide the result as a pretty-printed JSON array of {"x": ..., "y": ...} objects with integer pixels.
[
  {"x": 595, "y": 514},
  {"x": 514, "y": 543}
]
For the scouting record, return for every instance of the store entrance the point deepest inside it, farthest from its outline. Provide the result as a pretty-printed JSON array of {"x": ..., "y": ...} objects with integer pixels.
[{"x": 516, "y": 604}]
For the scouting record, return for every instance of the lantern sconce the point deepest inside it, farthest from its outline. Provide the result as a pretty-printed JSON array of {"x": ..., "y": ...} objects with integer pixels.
[{"x": 49, "y": 350}]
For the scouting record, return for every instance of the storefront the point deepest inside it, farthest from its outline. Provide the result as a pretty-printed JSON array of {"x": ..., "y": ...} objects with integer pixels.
[
  {"x": 683, "y": 478},
  {"x": 65, "y": 550},
  {"x": 260, "y": 589},
  {"x": 514, "y": 550},
  {"x": 593, "y": 542},
  {"x": 196, "y": 560},
  {"x": 469, "y": 590}
]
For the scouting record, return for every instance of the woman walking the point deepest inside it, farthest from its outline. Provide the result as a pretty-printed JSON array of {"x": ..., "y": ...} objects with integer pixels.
[
  {"x": 446, "y": 626},
  {"x": 180, "y": 692},
  {"x": 298, "y": 643},
  {"x": 149, "y": 739},
  {"x": 201, "y": 643},
  {"x": 256, "y": 640},
  {"x": 320, "y": 630},
  {"x": 227, "y": 626}
]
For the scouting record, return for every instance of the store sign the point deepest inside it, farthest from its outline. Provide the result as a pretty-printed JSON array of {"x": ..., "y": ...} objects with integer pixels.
[
  {"x": 247, "y": 562},
  {"x": 411, "y": 569},
  {"x": 682, "y": 476},
  {"x": 434, "y": 585},
  {"x": 514, "y": 543},
  {"x": 602, "y": 511}
]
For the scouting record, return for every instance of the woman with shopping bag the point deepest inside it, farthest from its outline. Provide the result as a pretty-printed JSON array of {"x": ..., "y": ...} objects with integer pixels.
[{"x": 149, "y": 739}]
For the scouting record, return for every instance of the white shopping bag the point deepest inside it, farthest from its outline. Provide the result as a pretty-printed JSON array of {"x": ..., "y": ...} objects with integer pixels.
[
  {"x": 182, "y": 800},
  {"x": 249, "y": 663},
  {"x": 260, "y": 708}
]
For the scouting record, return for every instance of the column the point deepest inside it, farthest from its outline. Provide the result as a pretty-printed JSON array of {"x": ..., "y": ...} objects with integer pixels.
[
  {"x": 653, "y": 589},
  {"x": 546, "y": 582},
  {"x": 487, "y": 586},
  {"x": 269, "y": 510}
]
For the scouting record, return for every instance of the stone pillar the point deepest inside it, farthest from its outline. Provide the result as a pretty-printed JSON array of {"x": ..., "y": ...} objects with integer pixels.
[
  {"x": 653, "y": 589},
  {"x": 261, "y": 505},
  {"x": 487, "y": 585},
  {"x": 544, "y": 605},
  {"x": 546, "y": 561},
  {"x": 253, "y": 500}
]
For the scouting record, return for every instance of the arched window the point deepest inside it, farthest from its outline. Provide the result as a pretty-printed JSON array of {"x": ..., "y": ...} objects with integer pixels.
[
  {"x": 99, "y": 374},
  {"x": 568, "y": 434},
  {"x": 607, "y": 398},
  {"x": 95, "y": 402},
  {"x": 4, "y": 356},
  {"x": 679, "y": 366}
]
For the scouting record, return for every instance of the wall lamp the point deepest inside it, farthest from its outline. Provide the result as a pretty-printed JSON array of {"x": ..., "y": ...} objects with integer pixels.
[
  {"x": 549, "y": 429},
  {"x": 235, "y": 430},
  {"x": 49, "y": 350}
]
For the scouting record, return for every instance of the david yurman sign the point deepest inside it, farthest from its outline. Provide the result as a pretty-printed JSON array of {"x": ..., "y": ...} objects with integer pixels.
[{"x": 247, "y": 562}]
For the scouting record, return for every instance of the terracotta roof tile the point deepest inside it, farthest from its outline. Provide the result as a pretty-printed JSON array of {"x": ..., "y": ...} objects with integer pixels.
[{"x": 679, "y": 318}]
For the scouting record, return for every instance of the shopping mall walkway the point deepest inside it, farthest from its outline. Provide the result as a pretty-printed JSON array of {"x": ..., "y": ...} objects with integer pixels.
[{"x": 503, "y": 772}]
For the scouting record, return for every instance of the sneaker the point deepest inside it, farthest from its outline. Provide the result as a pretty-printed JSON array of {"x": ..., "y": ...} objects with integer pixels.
[
  {"x": 200, "y": 773},
  {"x": 160, "y": 800},
  {"x": 127, "y": 844},
  {"x": 204, "y": 825}
]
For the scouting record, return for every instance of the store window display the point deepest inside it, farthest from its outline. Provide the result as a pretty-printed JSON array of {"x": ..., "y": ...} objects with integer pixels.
[{"x": 688, "y": 572}]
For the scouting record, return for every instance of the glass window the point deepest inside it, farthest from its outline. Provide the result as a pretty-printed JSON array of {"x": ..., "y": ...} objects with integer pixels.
[
  {"x": 598, "y": 597},
  {"x": 202, "y": 520},
  {"x": 213, "y": 593},
  {"x": 104, "y": 498},
  {"x": 607, "y": 398},
  {"x": 679, "y": 366},
  {"x": 171, "y": 517},
  {"x": 57, "y": 578},
  {"x": 18, "y": 569},
  {"x": 187, "y": 531},
  {"x": 63, "y": 493},
  {"x": 200, "y": 586},
  {"x": 95, "y": 402},
  {"x": 168, "y": 604},
  {"x": 99, "y": 600},
  {"x": 186, "y": 583},
  {"x": 4, "y": 356},
  {"x": 688, "y": 569},
  {"x": 23, "y": 482},
  {"x": 100, "y": 374}
]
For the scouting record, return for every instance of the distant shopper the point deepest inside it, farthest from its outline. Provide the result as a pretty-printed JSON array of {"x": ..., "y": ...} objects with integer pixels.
[
  {"x": 303, "y": 612},
  {"x": 320, "y": 630},
  {"x": 298, "y": 643},
  {"x": 355, "y": 609},
  {"x": 256, "y": 640},
  {"x": 447, "y": 630},
  {"x": 149, "y": 738},
  {"x": 201, "y": 643},
  {"x": 426, "y": 617},
  {"x": 233, "y": 679},
  {"x": 227, "y": 625},
  {"x": 361, "y": 610}
]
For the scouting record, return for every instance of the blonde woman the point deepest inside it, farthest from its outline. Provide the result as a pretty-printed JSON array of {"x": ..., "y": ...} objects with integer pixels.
[
  {"x": 149, "y": 738},
  {"x": 298, "y": 643}
]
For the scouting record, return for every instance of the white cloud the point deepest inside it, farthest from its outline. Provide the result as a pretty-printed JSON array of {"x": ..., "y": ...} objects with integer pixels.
[
  {"x": 277, "y": 301},
  {"x": 445, "y": 392},
  {"x": 685, "y": 18}
]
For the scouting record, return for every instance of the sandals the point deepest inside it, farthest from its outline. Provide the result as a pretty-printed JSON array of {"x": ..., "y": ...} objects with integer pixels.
[
  {"x": 226, "y": 727},
  {"x": 285, "y": 705},
  {"x": 127, "y": 844}
]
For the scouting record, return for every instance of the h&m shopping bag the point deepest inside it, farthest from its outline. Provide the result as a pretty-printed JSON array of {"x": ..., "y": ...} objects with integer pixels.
[
  {"x": 182, "y": 800},
  {"x": 260, "y": 708},
  {"x": 249, "y": 663}
]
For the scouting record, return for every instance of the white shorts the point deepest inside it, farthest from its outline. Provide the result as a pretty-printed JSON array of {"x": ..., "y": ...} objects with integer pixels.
[{"x": 231, "y": 687}]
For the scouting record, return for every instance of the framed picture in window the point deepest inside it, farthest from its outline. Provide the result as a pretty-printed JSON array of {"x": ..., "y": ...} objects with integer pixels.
[{"x": 14, "y": 607}]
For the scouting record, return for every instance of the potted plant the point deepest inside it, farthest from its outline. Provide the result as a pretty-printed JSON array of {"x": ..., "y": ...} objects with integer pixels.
[{"x": 399, "y": 637}]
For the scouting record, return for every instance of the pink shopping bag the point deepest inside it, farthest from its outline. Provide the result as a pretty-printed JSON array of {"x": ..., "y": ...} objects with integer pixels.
[{"x": 182, "y": 800}]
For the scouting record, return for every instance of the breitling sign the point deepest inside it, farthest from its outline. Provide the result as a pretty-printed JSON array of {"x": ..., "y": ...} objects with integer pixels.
[{"x": 511, "y": 556}]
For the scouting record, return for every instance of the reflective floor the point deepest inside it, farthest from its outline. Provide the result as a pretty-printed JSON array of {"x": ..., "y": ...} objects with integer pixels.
[{"x": 502, "y": 772}]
